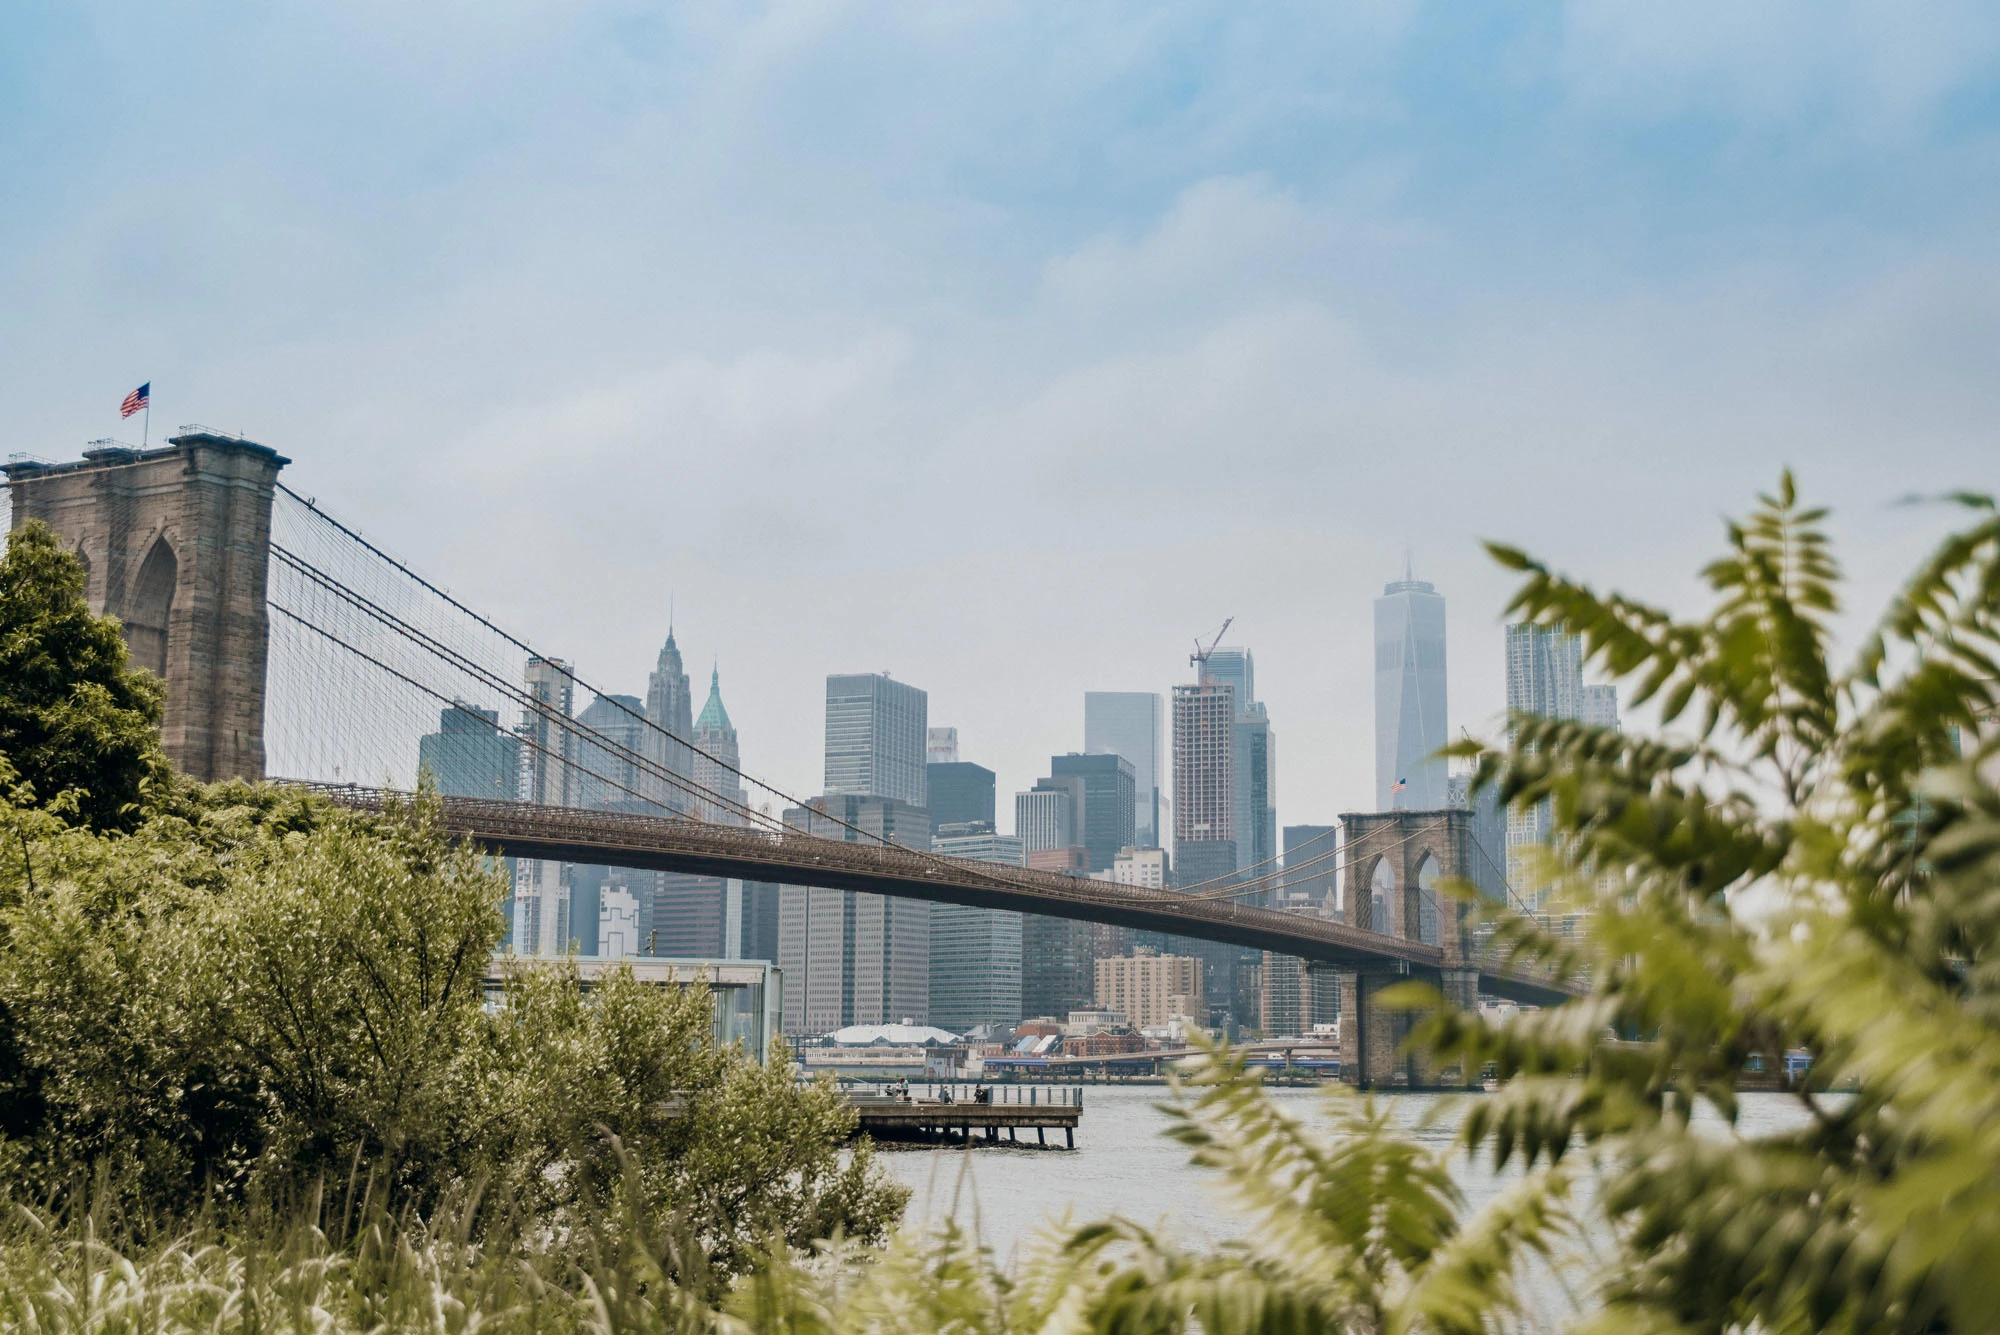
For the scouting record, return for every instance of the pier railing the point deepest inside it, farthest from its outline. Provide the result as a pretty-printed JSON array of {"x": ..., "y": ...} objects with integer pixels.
[{"x": 999, "y": 1095}]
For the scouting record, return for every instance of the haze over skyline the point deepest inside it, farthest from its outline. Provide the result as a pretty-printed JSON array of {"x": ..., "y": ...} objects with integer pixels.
[{"x": 1010, "y": 350}]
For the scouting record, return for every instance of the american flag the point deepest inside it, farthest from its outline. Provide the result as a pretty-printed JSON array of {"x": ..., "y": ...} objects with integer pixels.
[
  {"x": 135, "y": 400},
  {"x": 1399, "y": 785}
]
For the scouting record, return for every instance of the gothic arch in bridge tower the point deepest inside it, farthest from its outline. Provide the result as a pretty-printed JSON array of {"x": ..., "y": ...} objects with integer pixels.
[
  {"x": 1425, "y": 893},
  {"x": 1381, "y": 898},
  {"x": 176, "y": 543},
  {"x": 150, "y": 612}
]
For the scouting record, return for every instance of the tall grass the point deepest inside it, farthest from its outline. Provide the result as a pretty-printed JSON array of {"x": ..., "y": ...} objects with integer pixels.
[{"x": 341, "y": 1261}]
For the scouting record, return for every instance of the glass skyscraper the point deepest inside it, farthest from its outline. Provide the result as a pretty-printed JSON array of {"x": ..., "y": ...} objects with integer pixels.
[
  {"x": 875, "y": 737},
  {"x": 1127, "y": 723},
  {"x": 1103, "y": 821},
  {"x": 851, "y": 957},
  {"x": 976, "y": 953},
  {"x": 960, "y": 793},
  {"x": 1410, "y": 723},
  {"x": 469, "y": 755},
  {"x": 1255, "y": 767},
  {"x": 1545, "y": 679}
]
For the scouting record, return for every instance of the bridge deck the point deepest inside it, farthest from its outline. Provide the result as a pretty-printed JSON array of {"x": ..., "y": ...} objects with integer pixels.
[{"x": 569, "y": 834}]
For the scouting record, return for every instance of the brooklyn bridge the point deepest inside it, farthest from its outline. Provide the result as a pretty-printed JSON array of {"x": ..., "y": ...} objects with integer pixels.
[{"x": 291, "y": 645}]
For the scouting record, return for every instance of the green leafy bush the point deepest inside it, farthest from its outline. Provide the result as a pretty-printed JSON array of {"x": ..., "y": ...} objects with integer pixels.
[{"x": 253, "y": 994}]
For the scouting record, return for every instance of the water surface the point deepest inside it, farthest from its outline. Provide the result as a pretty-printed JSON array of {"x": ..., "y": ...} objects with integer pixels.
[{"x": 1124, "y": 1165}]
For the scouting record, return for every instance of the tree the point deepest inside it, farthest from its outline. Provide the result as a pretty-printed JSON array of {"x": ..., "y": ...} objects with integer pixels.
[
  {"x": 1806, "y": 861},
  {"x": 79, "y": 723},
  {"x": 255, "y": 994}
]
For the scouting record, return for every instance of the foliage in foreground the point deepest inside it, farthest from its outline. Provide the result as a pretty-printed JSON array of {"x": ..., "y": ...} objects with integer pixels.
[
  {"x": 1809, "y": 858},
  {"x": 255, "y": 994},
  {"x": 1354, "y": 1228}
]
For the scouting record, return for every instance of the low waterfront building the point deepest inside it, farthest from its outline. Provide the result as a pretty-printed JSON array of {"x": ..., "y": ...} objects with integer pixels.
[{"x": 748, "y": 995}]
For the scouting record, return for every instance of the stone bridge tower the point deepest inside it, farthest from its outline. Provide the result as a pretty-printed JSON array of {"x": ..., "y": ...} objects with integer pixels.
[
  {"x": 176, "y": 544},
  {"x": 1390, "y": 862}
]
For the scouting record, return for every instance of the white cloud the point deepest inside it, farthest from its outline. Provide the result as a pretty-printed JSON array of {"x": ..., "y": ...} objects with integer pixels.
[
  {"x": 1875, "y": 70},
  {"x": 1010, "y": 347}
]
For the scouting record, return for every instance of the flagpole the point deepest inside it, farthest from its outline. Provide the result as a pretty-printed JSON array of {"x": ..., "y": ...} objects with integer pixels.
[{"x": 147, "y": 437}]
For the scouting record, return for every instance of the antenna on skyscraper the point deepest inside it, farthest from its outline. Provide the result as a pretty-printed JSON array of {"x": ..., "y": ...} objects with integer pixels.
[{"x": 1198, "y": 660}]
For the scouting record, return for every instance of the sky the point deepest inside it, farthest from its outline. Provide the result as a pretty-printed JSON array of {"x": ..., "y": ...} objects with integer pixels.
[{"x": 1009, "y": 348}]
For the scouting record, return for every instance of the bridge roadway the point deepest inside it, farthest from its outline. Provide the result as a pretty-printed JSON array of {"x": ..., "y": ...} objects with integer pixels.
[{"x": 621, "y": 839}]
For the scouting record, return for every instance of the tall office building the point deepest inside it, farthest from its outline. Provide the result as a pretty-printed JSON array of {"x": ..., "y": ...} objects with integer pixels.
[
  {"x": 1545, "y": 679},
  {"x": 975, "y": 952},
  {"x": 1600, "y": 706},
  {"x": 1312, "y": 867},
  {"x": 1057, "y": 962},
  {"x": 876, "y": 737},
  {"x": 1102, "y": 812},
  {"x": 960, "y": 792},
  {"x": 1055, "y": 954},
  {"x": 717, "y": 762},
  {"x": 670, "y": 709},
  {"x": 545, "y": 731},
  {"x": 1043, "y": 818},
  {"x": 704, "y": 917},
  {"x": 1294, "y": 996},
  {"x": 1127, "y": 723},
  {"x": 752, "y": 923},
  {"x": 1151, "y": 989},
  {"x": 1410, "y": 723},
  {"x": 1204, "y": 780},
  {"x": 1489, "y": 870},
  {"x": 609, "y": 774},
  {"x": 1256, "y": 760},
  {"x": 470, "y": 755},
  {"x": 850, "y": 957},
  {"x": 1208, "y": 843},
  {"x": 541, "y": 899},
  {"x": 608, "y": 760},
  {"x": 688, "y": 916},
  {"x": 1148, "y": 867}
]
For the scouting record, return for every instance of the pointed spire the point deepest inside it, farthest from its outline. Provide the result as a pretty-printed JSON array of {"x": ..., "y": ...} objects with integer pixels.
[{"x": 714, "y": 718}]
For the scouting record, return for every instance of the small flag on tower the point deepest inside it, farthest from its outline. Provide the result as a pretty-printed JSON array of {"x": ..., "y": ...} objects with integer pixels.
[
  {"x": 136, "y": 400},
  {"x": 1399, "y": 785}
]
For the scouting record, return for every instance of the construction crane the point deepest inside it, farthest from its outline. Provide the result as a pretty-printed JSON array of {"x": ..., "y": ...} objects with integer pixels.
[{"x": 1198, "y": 660}]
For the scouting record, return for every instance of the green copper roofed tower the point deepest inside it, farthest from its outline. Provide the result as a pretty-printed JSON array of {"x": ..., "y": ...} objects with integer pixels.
[{"x": 716, "y": 758}]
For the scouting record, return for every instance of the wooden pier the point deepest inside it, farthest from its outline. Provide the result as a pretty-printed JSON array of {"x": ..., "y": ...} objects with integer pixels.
[{"x": 926, "y": 1114}]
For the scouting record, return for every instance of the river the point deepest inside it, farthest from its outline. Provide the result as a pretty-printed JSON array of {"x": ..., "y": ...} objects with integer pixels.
[{"x": 1124, "y": 1165}]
